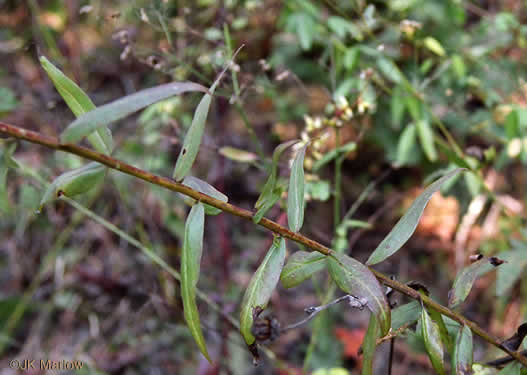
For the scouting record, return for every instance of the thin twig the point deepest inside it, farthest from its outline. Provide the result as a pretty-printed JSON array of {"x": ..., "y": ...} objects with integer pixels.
[
  {"x": 51, "y": 142},
  {"x": 314, "y": 310}
]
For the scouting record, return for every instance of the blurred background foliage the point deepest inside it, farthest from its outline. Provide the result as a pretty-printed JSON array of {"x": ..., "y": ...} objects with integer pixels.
[{"x": 396, "y": 90}]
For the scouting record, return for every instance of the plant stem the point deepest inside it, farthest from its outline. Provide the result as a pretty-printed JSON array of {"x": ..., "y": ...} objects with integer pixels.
[
  {"x": 53, "y": 143},
  {"x": 338, "y": 182}
]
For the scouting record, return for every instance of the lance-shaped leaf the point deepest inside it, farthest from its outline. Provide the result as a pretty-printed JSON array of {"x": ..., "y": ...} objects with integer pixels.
[
  {"x": 205, "y": 188},
  {"x": 268, "y": 201},
  {"x": 329, "y": 156},
  {"x": 463, "y": 352},
  {"x": 238, "y": 155},
  {"x": 7, "y": 148},
  {"x": 261, "y": 287},
  {"x": 406, "y": 144},
  {"x": 120, "y": 108},
  {"x": 390, "y": 70},
  {"x": 466, "y": 277},
  {"x": 443, "y": 330},
  {"x": 510, "y": 272},
  {"x": 271, "y": 192},
  {"x": 433, "y": 344},
  {"x": 426, "y": 137},
  {"x": 190, "y": 267},
  {"x": 295, "y": 194},
  {"x": 368, "y": 346},
  {"x": 300, "y": 266},
  {"x": 79, "y": 103},
  {"x": 192, "y": 140},
  {"x": 356, "y": 279},
  {"x": 405, "y": 227},
  {"x": 74, "y": 182},
  {"x": 405, "y": 314}
]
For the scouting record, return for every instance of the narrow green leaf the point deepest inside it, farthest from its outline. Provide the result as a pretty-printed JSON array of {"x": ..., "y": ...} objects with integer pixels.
[
  {"x": 390, "y": 70},
  {"x": 269, "y": 200},
  {"x": 406, "y": 144},
  {"x": 443, "y": 331},
  {"x": 329, "y": 156},
  {"x": 74, "y": 182},
  {"x": 192, "y": 140},
  {"x": 79, "y": 103},
  {"x": 405, "y": 227},
  {"x": 205, "y": 188},
  {"x": 432, "y": 339},
  {"x": 270, "y": 184},
  {"x": 511, "y": 271},
  {"x": 426, "y": 136},
  {"x": 459, "y": 67},
  {"x": 414, "y": 106},
  {"x": 261, "y": 287},
  {"x": 433, "y": 45},
  {"x": 397, "y": 106},
  {"x": 301, "y": 266},
  {"x": 238, "y": 155},
  {"x": 190, "y": 269},
  {"x": 295, "y": 194},
  {"x": 7, "y": 148},
  {"x": 356, "y": 279},
  {"x": 513, "y": 368},
  {"x": 405, "y": 314},
  {"x": 466, "y": 277},
  {"x": 116, "y": 110},
  {"x": 462, "y": 357},
  {"x": 369, "y": 345},
  {"x": 342, "y": 27}
]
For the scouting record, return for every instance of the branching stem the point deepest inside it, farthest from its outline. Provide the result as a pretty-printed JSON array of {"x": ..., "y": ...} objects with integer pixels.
[{"x": 53, "y": 143}]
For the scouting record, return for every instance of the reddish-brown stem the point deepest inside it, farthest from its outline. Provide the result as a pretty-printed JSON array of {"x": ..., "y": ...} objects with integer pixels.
[{"x": 51, "y": 142}]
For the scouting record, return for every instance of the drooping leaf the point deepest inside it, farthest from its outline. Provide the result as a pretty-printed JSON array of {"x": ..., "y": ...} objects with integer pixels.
[
  {"x": 79, "y": 103},
  {"x": 466, "y": 277},
  {"x": 433, "y": 344},
  {"x": 295, "y": 194},
  {"x": 74, "y": 182},
  {"x": 436, "y": 316},
  {"x": 270, "y": 184},
  {"x": 405, "y": 227},
  {"x": 190, "y": 269},
  {"x": 116, "y": 110},
  {"x": 356, "y": 279},
  {"x": 261, "y": 287},
  {"x": 369, "y": 346},
  {"x": 301, "y": 266},
  {"x": 408, "y": 313},
  {"x": 205, "y": 188},
  {"x": 238, "y": 155},
  {"x": 462, "y": 357},
  {"x": 511, "y": 271},
  {"x": 192, "y": 140},
  {"x": 329, "y": 156},
  {"x": 426, "y": 137}
]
